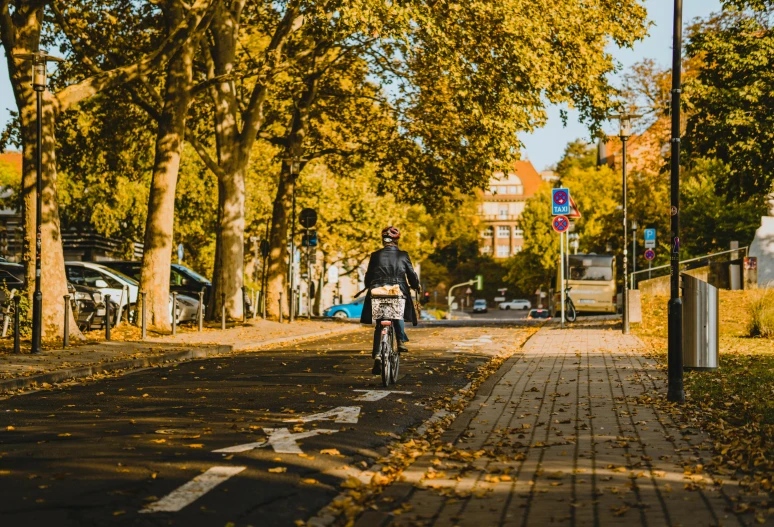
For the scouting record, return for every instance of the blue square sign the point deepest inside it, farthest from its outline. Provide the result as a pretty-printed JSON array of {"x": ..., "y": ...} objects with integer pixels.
[
  {"x": 560, "y": 201},
  {"x": 650, "y": 238}
]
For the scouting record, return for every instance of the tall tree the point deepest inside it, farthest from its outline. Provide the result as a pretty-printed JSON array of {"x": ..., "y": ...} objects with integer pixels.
[{"x": 21, "y": 27}]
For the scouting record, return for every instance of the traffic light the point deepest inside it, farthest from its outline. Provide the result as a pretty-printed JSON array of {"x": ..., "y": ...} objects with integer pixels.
[
  {"x": 426, "y": 298},
  {"x": 479, "y": 282}
]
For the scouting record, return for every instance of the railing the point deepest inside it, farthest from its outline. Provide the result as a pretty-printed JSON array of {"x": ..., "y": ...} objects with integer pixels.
[
  {"x": 690, "y": 260},
  {"x": 500, "y": 217}
]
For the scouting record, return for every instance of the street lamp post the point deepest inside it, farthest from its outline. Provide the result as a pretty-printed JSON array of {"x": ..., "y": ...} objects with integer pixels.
[
  {"x": 634, "y": 250},
  {"x": 675, "y": 391},
  {"x": 625, "y": 131},
  {"x": 39, "y": 82}
]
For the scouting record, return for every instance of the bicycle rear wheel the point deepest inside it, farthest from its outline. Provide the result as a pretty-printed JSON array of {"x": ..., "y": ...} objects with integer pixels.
[
  {"x": 570, "y": 313},
  {"x": 394, "y": 360},
  {"x": 385, "y": 354}
]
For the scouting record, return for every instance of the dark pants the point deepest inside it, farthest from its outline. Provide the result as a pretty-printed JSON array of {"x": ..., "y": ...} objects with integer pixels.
[{"x": 401, "y": 334}]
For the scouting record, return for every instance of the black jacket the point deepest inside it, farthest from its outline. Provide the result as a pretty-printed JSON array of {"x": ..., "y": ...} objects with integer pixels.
[{"x": 390, "y": 266}]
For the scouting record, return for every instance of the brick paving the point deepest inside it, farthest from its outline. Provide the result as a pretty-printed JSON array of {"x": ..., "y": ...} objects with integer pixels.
[{"x": 565, "y": 438}]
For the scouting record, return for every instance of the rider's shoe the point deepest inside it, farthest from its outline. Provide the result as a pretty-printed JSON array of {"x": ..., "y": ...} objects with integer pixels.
[
  {"x": 377, "y": 369},
  {"x": 402, "y": 348}
]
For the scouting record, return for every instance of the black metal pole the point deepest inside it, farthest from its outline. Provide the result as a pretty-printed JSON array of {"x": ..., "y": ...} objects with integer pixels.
[
  {"x": 16, "y": 335},
  {"x": 174, "y": 313},
  {"x": 675, "y": 392},
  {"x": 625, "y": 245},
  {"x": 200, "y": 316},
  {"x": 66, "y": 335},
  {"x": 37, "y": 298},
  {"x": 107, "y": 317},
  {"x": 244, "y": 304},
  {"x": 144, "y": 320},
  {"x": 223, "y": 311}
]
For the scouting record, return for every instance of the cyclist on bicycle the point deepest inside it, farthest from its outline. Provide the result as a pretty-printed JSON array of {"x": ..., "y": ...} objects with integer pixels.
[{"x": 390, "y": 266}]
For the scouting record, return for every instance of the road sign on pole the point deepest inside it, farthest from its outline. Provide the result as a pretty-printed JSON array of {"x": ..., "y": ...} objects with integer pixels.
[
  {"x": 560, "y": 224},
  {"x": 650, "y": 254},
  {"x": 650, "y": 238},
  {"x": 575, "y": 212},
  {"x": 560, "y": 201}
]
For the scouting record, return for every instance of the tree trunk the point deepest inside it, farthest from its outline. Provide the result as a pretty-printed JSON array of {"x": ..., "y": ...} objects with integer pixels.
[
  {"x": 278, "y": 240},
  {"x": 157, "y": 256},
  {"x": 231, "y": 243},
  {"x": 53, "y": 279}
]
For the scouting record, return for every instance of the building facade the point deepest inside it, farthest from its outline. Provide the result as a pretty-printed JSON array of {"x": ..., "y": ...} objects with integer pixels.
[{"x": 502, "y": 205}]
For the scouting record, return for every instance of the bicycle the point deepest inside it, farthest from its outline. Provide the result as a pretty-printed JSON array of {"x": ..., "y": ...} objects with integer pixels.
[
  {"x": 385, "y": 310},
  {"x": 569, "y": 308}
]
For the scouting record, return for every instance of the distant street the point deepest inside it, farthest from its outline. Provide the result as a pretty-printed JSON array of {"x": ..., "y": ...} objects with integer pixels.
[{"x": 258, "y": 439}]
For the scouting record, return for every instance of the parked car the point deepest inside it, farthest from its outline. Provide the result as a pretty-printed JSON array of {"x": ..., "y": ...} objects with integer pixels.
[
  {"x": 351, "y": 310},
  {"x": 112, "y": 282},
  {"x": 539, "y": 314},
  {"x": 181, "y": 278},
  {"x": 516, "y": 304},
  {"x": 426, "y": 315},
  {"x": 479, "y": 306}
]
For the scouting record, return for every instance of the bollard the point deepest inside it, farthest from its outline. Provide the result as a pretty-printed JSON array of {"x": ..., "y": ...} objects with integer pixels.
[
  {"x": 174, "y": 313},
  {"x": 280, "y": 307},
  {"x": 201, "y": 309},
  {"x": 223, "y": 311},
  {"x": 107, "y": 317},
  {"x": 244, "y": 304},
  {"x": 66, "y": 336},
  {"x": 144, "y": 317},
  {"x": 16, "y": 335}
]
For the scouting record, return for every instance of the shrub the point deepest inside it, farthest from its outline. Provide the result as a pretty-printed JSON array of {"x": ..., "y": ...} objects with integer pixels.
[{"x": 762, "y": 314}]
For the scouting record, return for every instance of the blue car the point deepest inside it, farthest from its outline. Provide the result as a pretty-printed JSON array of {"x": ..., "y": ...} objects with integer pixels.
[{"x": 352, "y": 310}]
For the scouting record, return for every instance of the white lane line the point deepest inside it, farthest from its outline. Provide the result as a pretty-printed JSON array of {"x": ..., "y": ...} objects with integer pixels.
[
  {"x": 341, "y": 414},
  {"x": 281, "y": 440},
  {"x": 193, "y": 490},
  {"x": 376, "y": 395}
]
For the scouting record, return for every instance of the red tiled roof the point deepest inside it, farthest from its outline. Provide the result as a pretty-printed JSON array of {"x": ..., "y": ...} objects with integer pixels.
[{"x": 529, "y": 177}]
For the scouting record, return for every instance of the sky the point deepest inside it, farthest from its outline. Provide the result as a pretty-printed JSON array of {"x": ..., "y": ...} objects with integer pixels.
[{"x": 545, "y": 146}]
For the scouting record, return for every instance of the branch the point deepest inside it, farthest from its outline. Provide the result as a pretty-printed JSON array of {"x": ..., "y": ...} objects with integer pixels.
[
  {"x": 203, "y": 154},
  {"x": 199, "y": 16},
  {"x": 7, "y": 29},
  {"x": 252, "y": 116}
]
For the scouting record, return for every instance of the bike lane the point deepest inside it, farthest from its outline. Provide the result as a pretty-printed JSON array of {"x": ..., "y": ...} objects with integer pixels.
[{"x": 255, "y": 439}]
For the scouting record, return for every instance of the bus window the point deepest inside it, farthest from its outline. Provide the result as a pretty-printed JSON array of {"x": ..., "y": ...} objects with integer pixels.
[{"x": 594, "y": 273}]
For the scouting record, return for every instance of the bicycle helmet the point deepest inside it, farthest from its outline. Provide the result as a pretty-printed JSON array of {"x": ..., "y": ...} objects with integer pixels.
[{"x": 390, "y": 234}]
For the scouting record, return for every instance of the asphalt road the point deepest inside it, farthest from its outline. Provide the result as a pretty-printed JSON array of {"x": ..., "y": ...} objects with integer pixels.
[{"x": 140, "y": 449}]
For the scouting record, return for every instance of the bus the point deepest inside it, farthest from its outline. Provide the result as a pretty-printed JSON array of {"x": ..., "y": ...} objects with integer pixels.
[{"x": 592, "y": 279}]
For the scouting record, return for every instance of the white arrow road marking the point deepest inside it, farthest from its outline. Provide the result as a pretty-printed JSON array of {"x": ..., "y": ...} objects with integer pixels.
[
  {"x": 281, "y": 439},
  {"x": 341, "y": 414},
  {"x": 468, "y": 343},
  {"x": 375, "y": 395},
  {"x": 193, "y": 490}
]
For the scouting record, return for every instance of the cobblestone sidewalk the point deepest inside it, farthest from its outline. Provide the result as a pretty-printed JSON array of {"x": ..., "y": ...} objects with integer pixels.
[{"x": 565, "y": 437}]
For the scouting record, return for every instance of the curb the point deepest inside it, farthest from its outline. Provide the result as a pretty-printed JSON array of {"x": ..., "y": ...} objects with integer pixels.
[{"x": 204, "y": 352}]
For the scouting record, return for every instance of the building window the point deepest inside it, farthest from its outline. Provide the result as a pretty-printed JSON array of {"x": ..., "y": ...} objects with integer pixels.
[
  {"x": 488, "y": 232},
  {"x": 486, "y": 249},
  {"x": 517, "y": 249},
  {"x": 503, "y": 231},
  {"x": 518, "y": 233},
  {"x": 502, "y": 251},
  {"x": 493, "y": 191},
  {"x": 504, "y": 212}
]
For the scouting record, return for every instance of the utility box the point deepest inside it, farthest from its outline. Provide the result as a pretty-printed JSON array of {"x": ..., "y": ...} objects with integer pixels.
[{"x": 700, "y": 324}]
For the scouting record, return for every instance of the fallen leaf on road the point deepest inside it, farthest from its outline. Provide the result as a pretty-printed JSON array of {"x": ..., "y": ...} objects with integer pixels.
[
  {"x": 195, "y": 445},
  {"x": 63, "y": 435},
  {"x": 330, "y": 452},
  {"x": 309, "y": 481},
  {"x": 278, "y": 470},
  {"x": 10, "y": 428}
]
